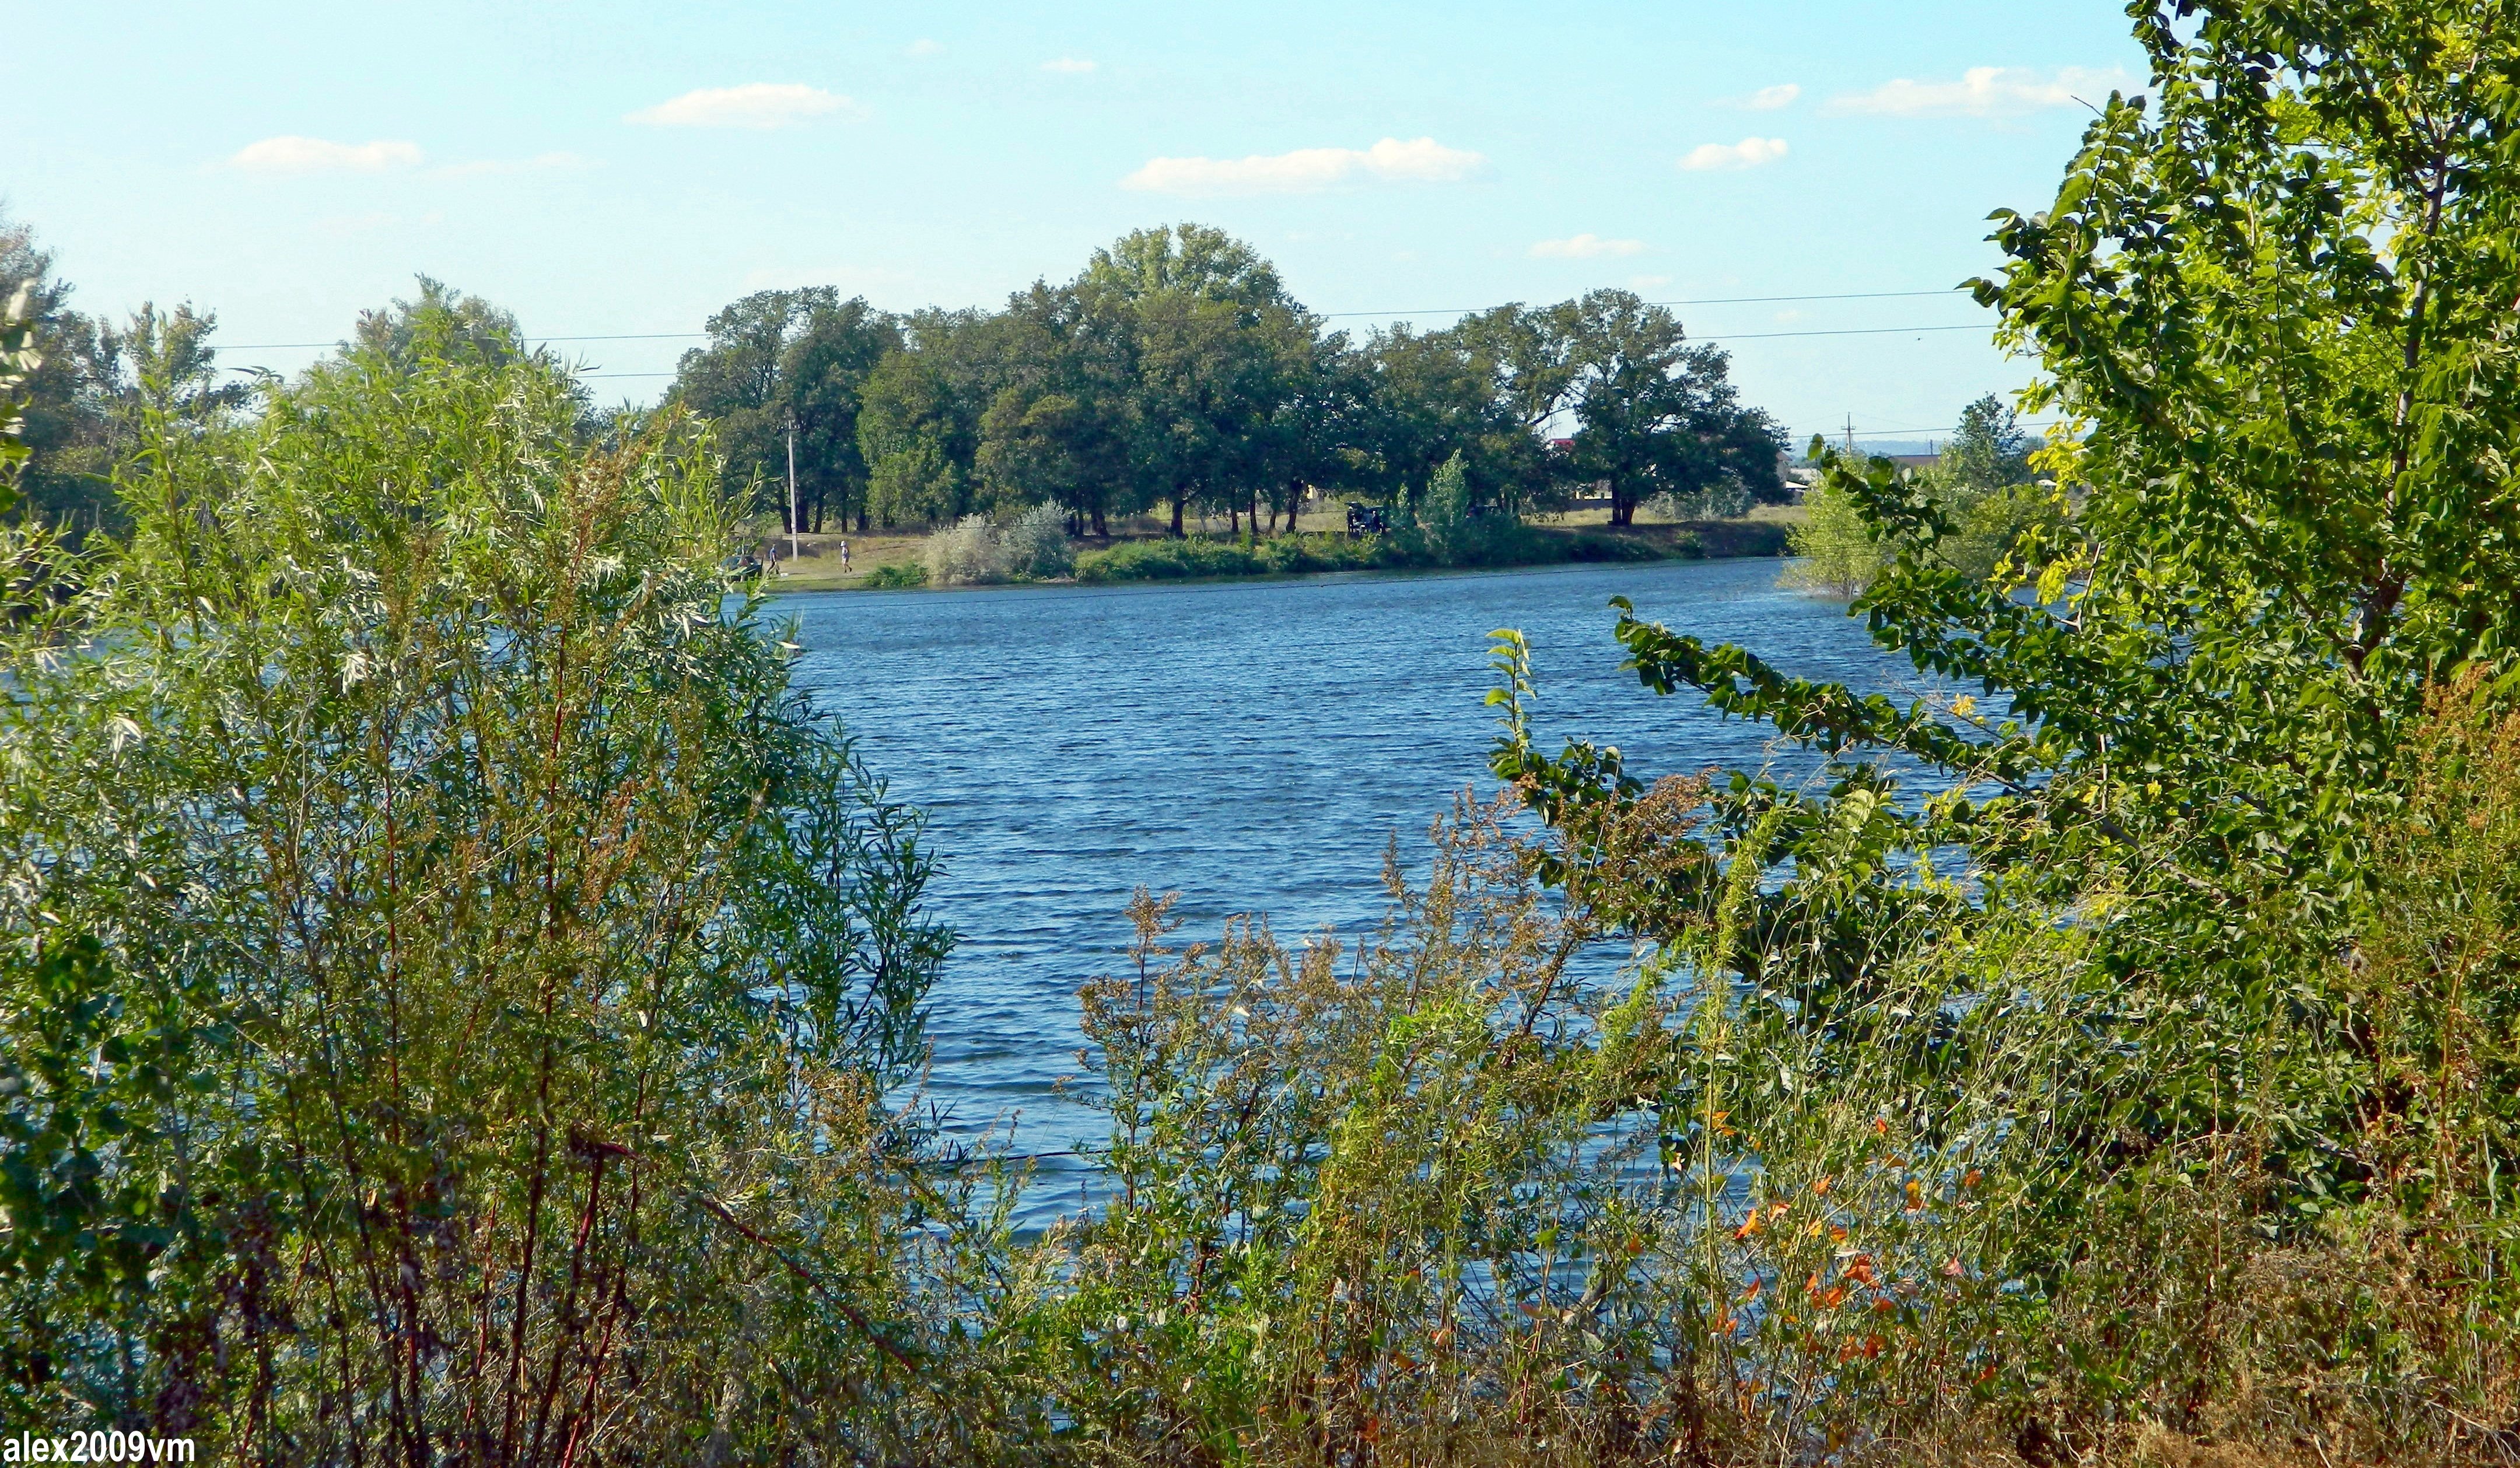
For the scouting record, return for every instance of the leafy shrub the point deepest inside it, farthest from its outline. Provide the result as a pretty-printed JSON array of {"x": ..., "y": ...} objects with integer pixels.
[
  {"x": 893, "y": 576},
  {"x": 1167, "y": 559},
  {"x": 969, "y": 553},
  {"x": 1037, "y": 545},
  {"x": 1453, "y": 531},
  {"x": 1839, "y": 554},
  {"x": 461, "y": 1018}
]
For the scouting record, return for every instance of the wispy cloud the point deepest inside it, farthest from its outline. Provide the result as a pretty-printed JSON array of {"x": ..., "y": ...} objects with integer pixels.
[
  {"x": 295, "y": 155},
  {"x": 1749, "y": 153},
  {"x": 925, "y": 47},
  {"x": 1987, "y": 92},
  {"x": 1586, "y": 247},
  {"x": 1307, "y": 170},
  {"x": 1768, "y": 99},
  {"x": 1072, "y": 64},
  {"x": 539, "y": 163},
  {"x": 759, "y": 105}
]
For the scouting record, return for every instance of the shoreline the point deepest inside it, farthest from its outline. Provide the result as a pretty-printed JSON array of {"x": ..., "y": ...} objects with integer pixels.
[{"x": 1748, "y": 539}]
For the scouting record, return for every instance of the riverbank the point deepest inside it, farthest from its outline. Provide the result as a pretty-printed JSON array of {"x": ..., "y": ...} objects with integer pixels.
[{"x": 887, "y": 561}]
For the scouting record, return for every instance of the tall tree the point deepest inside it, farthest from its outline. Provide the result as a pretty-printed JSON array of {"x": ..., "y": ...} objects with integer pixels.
[
  {"x": 1990, "y": 449},
  {"x": 919, "y": 426},
  {"x": 1219, "y": 345},
  {"x": 782, "y": 356},
  {"x": 1058, "y": 428},
  {"x": 1656, "y": 416},
  {"x": 91, "y": 384}
]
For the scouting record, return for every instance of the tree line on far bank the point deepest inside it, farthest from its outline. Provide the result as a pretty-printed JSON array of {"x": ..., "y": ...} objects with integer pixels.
[{"x": 1177, "y": 375}]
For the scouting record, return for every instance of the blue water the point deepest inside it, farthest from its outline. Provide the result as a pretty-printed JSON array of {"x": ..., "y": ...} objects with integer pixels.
[{"x": 1251, "y": 746}]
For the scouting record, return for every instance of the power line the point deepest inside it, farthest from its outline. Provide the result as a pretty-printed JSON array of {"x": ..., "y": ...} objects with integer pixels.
[{"x": 1710, "y": 300}]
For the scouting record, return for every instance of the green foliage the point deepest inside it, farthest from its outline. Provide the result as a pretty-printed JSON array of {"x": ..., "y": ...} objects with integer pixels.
[
  {"x": 1451, "y": 528},
  {"x": 894, "y": 576},
  {"x": 452, "y": 985},
  {"x": 778, "y": 356},
  {"x": 1037, "y": 544},
  {"x": 19, "y": 360},
  {"x": 1657, "y": 416},
  {"x": 1983, "y": 491},
  {"x": 80, "y": 389},
  {"x": 2089, "y": 938},
  {"x": 968, "y": 552},
  {"x": 1839, "y": 553}
]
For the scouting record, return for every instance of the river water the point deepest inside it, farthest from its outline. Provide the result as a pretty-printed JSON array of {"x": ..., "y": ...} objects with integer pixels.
[{"x": 1250, "y": 746}]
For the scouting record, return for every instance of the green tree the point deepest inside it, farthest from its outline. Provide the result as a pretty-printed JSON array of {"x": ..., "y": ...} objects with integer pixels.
[
  {"x": 1219, "y": 346},
  {"x": 2271, "y": 301},
  {"x": 1837, "y": 551},
  {"x": 1059, "y": 429},
  {"x": 782, "y": 356},
  {"x": 918, "y": 419},
  {"x": 441, "y": 323},
  {"x": 1655, "y": 416},
  {"x": 1990, "y": 449},
  {"x": 451, "y": 983}
]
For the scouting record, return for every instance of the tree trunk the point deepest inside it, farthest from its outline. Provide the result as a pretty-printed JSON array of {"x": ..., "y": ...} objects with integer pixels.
[
  {"x": 1102, "y": 531},
  {"x": 1178, "y": 497}
]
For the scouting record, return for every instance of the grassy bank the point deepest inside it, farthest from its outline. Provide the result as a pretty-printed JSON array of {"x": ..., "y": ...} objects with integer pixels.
[{"x": 892, "y": 562}]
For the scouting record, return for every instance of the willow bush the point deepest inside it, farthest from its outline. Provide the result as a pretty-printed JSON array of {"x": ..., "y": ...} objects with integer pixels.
[{"x": 454, "y": 987}]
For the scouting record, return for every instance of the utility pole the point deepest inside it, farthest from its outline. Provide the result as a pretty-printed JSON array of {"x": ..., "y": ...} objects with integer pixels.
[{"x": 791, "y": 490}]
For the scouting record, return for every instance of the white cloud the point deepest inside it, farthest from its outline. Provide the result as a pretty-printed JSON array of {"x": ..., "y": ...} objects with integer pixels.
[
  {"x": 295, "y": 155},
  {"x": 1421, "y": 160},
  {"x": 754, "y": 104},
  {"x": 925, "y": 47},
  {"x": 1768, "y": 99},
  {"x": 1987, "y": 92},
  {"x": 1749, "y": 153},
  {"x": 1647, "y": 282},
  {"x": 1069, "y": 64},
  {"x": 1586, "y": 247},
  {"x": 539, "y": 163}
]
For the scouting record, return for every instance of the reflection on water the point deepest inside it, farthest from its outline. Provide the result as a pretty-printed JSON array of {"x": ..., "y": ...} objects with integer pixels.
[{"x": 1249, "y": 745}]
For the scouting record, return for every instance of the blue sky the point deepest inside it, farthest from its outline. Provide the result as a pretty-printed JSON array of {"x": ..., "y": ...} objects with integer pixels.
[{"x": 627, "y": 167}]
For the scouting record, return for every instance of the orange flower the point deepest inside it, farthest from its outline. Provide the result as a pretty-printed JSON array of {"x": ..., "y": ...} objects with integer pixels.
[
  {"x": 1872, "y": 1345},
  {"x": 1915, "y": 1196},
  {"x": 1953, "y": 1269},
  {"x": 1970, "y": 1180},
  {"x": 1884, "y": 1306},
  {"x": 1820, "y": 1189},
  {"x": 1777, "y": 1210},
  {"x": 1752, "y": 1293},
  {"x": 1751, "y": 1225},
  {"x": 1811, "y": 1286},
  {"x": 1835, "y": 1297},
  {"x": 1880, "y": 1127},
  {"x": 1837, "y": 1235},
  {"x": 1860, "y": 1268}
]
